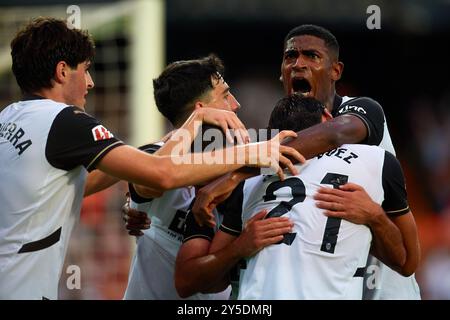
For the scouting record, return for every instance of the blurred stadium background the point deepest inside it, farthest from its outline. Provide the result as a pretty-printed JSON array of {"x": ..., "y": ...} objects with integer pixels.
[{"x": 404, "y": 66}]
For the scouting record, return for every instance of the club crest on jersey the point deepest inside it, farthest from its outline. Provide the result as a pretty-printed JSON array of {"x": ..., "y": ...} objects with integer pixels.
[{"x": 101, "y": 133}]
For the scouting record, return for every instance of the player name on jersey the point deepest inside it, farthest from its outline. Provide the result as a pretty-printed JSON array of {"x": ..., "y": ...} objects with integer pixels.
[
  {"x": 341, "y": 153},
  {"x": 13, "y": 133}
]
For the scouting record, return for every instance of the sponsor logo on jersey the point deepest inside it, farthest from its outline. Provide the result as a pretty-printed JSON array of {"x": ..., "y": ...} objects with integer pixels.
[
  {"x": 352, "y": 108},
  {"x": 101, "y": 133}
]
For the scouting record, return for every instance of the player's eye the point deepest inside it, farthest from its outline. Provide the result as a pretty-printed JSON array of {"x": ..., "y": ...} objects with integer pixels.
[
  {"x": 291, "y": 54},
  {"x": 311, "y": 54}
]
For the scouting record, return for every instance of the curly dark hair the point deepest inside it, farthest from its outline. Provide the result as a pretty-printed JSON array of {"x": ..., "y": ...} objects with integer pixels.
[{"x": 40, "y": 45}]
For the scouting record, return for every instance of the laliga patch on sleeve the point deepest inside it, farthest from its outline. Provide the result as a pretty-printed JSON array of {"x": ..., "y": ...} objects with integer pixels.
[{"x": 101, "y": 133}]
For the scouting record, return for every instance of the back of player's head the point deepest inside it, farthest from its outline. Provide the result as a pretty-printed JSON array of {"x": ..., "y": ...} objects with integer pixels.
[
  {"x": 318, "y": 32},
  {"x": 41, "y": 45},
  {"x": 183, "y": 83},
  {"x": 296, "y": 113}
]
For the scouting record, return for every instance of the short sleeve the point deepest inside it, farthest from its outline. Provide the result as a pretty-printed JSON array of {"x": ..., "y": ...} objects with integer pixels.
[
  {"x": 135, "y": 197},
  {"x": 192, "y": 229},
  {"x": 76, "y": 138},
  {"x": 232, "y": 212},
  {"x": 370, "y": 112},
  {"x": 395, "y": 197}
]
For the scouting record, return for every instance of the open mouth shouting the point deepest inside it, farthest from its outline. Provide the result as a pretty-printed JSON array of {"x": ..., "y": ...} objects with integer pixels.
[{"x": 302, "y": 87}]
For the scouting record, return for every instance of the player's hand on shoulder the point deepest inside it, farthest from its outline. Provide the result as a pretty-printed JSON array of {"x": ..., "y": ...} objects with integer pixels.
[{"x": 350, "y": 202}]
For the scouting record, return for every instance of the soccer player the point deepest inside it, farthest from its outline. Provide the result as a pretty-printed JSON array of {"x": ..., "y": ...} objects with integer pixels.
[
  {"x": 323, "y": 257},
  {"x": 184, "y": 86},
  {"x": 48, "y": 144},
  {"x": 311, "y": 67}
]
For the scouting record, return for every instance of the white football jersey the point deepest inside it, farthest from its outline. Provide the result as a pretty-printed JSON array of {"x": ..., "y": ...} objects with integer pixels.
[
  {"x": 153, "y": 266},
  {"x": 323, "y": 258},
  {"x": 381, "y": 282},
  {"x": 45, "y": 149}
]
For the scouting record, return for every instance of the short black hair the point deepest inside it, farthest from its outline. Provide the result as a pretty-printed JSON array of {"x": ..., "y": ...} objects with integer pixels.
[
  {"x": 316, "y": 31},
  {"x": 182, "y": 83},
  {"x": 40, "y": 45},
  {"x": 296, "y": 113}
]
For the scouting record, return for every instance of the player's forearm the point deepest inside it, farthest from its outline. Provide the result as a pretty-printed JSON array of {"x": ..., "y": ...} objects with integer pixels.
[
  {"x": 181, "y": 140},
  {"x": 161, "y": 173},
  {"x": 408, "y": 229},
  {"x": 147, "y": 192},
  {"x": 98, "y": 181},
  {"x": 328, "y": 135},
  {"x": 207, "y": 273},
  {"x": 387, "y": 243},
  {"x": 196, "y": 168}
]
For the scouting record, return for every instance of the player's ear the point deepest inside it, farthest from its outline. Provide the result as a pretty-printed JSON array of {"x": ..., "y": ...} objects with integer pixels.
[
  {"x": 198, "y": 105},
  {"x": 336, "y": 70},
  {"x": 326, "y": 115},
  {"x": 61, "y": 71}
]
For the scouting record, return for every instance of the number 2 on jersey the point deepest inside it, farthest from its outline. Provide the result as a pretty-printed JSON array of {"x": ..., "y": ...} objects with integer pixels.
[{"x": 298, "y": 191}]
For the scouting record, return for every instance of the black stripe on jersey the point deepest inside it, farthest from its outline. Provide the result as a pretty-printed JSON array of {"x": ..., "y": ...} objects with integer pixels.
[
  {"x": 193, "y": 230},
  {"x": 196, "y": 236},
  {"x": 229, "y": 230},
  {"x": 91, "y": 166},
  {"x": 360, "y": 272},
  {"x": 395, "y": 198},
  {"x": 397, "y": 213},
  {"x": 149, "y": 148},
  {"x": 41, "y": 244},
  {"x": 232, "y": 211},
  {"x": 71, "y": 141},
  {"x": 370, "y": 112}
]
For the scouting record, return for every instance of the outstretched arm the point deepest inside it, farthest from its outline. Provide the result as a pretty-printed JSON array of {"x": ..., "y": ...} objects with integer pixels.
[
  {"x": 329, "y": 135},
  {"x": 359, "y": 120},
  {"x": 128, "y": 163}
]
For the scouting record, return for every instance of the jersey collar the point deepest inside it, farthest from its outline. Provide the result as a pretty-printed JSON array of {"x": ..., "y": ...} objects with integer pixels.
[
  {"x": 336, "y": 103},
  {"x": 32, "y": 96}
]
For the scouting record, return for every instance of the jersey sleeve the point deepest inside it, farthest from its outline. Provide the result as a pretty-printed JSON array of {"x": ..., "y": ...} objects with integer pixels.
[
  {"x": 135, "y": 197},
  {"x": 395, "y": 197},
  {"x": 76, "y": 138},
  {"x": 193, "y": 230},
  {"x": 232, "y": 212},
  {"x": 372, "y": 115}
]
